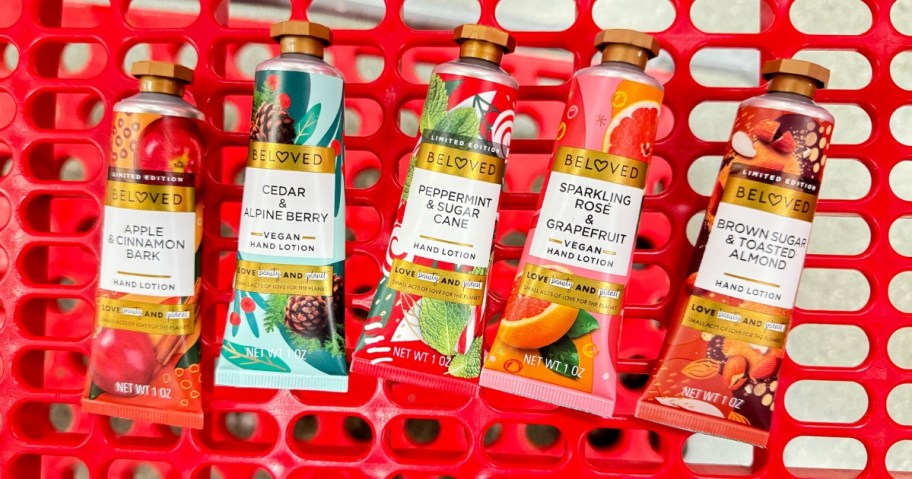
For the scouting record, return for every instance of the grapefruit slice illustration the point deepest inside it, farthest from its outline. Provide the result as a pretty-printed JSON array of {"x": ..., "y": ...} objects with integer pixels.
[
  {"x": 631, "y": 133},
  {"x": 531, "y": 323}
]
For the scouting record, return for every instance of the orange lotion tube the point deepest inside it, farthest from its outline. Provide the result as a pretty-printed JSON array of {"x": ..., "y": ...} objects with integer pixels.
[
  {"x": 145, "y": 357},
  {"x": 719, "y": 370}
]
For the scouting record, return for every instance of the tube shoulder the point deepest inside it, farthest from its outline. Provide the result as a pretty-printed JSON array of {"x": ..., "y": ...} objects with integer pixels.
[
  {"x": 299, "y": 62},
  {"x": 158, "y": 103},
  {"x": 622, "y": 71},
  {"x": 478, "y": 69},
  {"x": 791, "y": 103}
]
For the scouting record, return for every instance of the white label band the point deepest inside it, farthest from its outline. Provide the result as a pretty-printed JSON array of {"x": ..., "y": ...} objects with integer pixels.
[
  {"x": 287, "y": 214},
  {"x": 754, "y": 255},
  {"x": 450, "y": 218},
  {"x": 588, "y": 223},
  {"x": 148, "y": 252}
]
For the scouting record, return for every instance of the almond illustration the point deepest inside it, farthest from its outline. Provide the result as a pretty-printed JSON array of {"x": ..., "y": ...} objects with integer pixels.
[
  {"x": 743, "y": 145},
  {"x": 732, "y": 415},
  {"x": 734, "y": 373},
  {"x": 733, "y": 347},
  {"x": 766, "y": 130},
  {"x": 701, "y": 369},
  {"x": 785, "y": 143},
  {"x": 765, "y": 368}
]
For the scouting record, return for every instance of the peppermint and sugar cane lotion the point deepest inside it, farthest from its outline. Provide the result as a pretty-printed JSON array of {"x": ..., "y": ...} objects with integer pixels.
[{"x": 425, "y": 323}]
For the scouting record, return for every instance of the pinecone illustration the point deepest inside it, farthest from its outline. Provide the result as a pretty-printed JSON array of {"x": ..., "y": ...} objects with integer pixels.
[
  {"x": 272, "y": 124},
  {"x": 307, "y": 315}
]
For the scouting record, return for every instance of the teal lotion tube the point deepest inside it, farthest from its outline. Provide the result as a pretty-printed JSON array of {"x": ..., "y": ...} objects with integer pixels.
[{"x": 285, "y": 322}]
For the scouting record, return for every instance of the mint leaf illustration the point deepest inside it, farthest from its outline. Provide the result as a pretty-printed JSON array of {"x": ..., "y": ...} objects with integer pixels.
[
  {"x": 452, "y": 85},
  {"x": 442, "y": 322},
  {"x": 467, "y": 365},
  {"x": 408, "y": 180},
  {"x": 584, "y": 323},
  {"x": 435, "y": 105},
  {"x": 459, "y": 122},
  {"x": 306, "y": 127},
  {"x": 561, "y": 356}
]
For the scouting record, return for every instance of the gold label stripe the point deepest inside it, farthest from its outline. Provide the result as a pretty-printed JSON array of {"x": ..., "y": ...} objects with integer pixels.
[
  {"x": 600, "y": 166},
  {"x": 428, "y": 282},
  {"x": 272, "y": 278},
  {"x": 462, "y": 163},
  {"x": 737, "y": 323},
  {"x": 139, "y": 196},
  {"x": 165, "y": 319},
  {"x": 773, "y": 199},
  {"x": 571, "y": 290},
  {"x": 279, "y": 156}
]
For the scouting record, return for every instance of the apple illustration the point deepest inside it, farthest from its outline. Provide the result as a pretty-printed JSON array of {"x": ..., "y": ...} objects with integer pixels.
[
  {"x": 121, "y": 356},
  {"x": 170, "y": 144}
]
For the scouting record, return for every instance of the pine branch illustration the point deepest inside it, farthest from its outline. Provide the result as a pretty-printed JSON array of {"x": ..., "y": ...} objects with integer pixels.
[{"x": 252, "y": 359}]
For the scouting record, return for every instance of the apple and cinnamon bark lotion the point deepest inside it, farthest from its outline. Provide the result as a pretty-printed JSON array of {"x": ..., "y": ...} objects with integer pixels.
[
  {"x": 425, "y": 323},
  {"x": 284, "y": 328},
  {"x": 557, "y": 340},
  {"x": 145, "y": 359},
  {"x": 718, "y": 372}
]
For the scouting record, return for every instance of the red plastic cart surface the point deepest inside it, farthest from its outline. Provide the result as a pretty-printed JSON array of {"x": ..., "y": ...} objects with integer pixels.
[{"x": 55, "y": 120}]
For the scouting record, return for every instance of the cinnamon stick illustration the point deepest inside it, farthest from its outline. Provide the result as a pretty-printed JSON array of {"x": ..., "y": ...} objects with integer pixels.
[{"x": 166, "y": 347}]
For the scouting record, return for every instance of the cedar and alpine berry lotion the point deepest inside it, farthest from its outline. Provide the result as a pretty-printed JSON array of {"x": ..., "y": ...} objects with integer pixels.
[
  {"x": 718, "y": 372},
  {"x": 425, "y": 323},
  {"x": 284, "y": 328},
  {"x": 557, "y": 339},
  {"x": 145, "y": 357}
]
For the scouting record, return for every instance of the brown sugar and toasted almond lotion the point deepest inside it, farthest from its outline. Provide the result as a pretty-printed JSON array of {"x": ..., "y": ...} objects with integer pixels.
[{"x": 718, "y": 372}]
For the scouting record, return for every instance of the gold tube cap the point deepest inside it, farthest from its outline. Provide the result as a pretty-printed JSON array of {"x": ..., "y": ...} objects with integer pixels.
[
  {"x": 628, "y": 46},
  {"x": 299, "y": 28},
  {"x": 171, "y": 71},
  {"x": 297, "y": 36},
  {"x": 161, "y": 77},
  {"x": 486, "y": 34},
  {"x": 795, "y": 76},
  {"x": 486, "y": 43},
  {"x": 816, "y": 73},
  {"x": 628, "y": 37}
]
